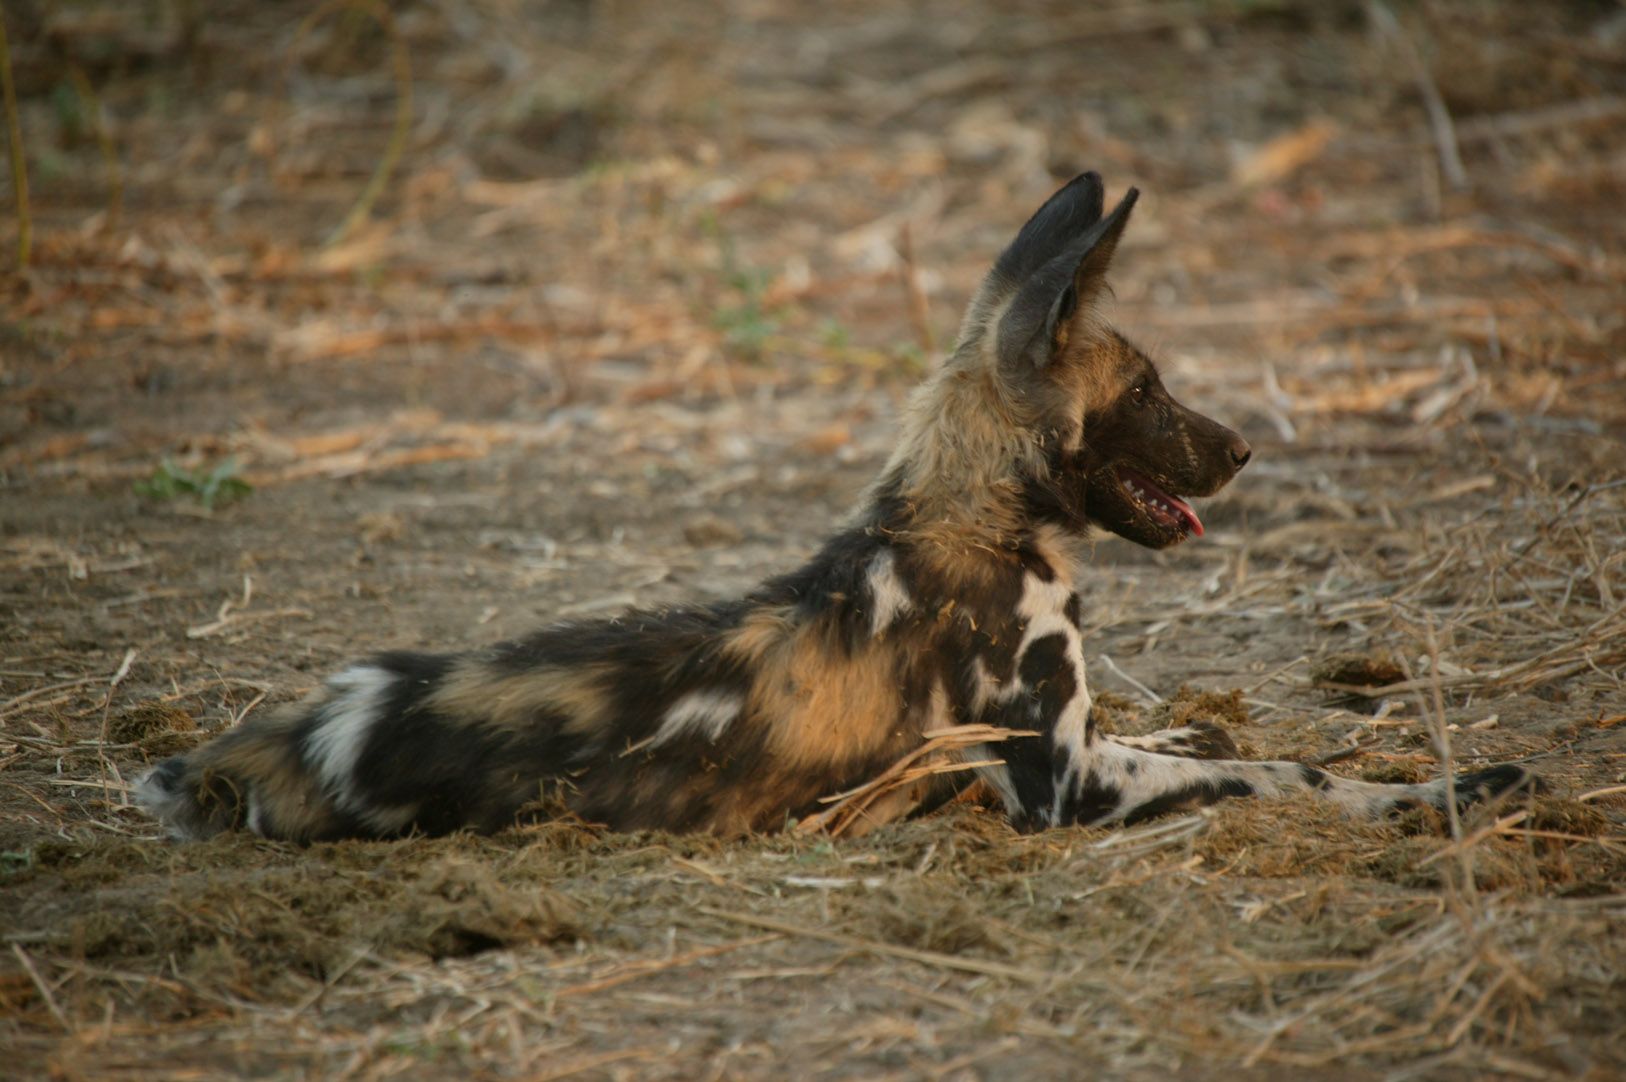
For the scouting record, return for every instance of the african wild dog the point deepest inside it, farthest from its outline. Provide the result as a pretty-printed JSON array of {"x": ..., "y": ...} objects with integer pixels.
[{"x": 948, "y": 598}]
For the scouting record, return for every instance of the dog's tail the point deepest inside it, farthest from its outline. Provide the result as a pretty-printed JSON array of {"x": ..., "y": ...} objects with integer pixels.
[
  {"x": 380, "y": 750},
  {"x": 238, "y": 780}
]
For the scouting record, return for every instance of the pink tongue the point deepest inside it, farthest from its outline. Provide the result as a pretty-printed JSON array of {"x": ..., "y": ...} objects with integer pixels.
[{"x": 1183, "y": 509}]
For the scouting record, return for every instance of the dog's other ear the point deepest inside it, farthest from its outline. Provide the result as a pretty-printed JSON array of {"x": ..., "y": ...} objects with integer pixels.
[{"x": 1060, "y": 293}]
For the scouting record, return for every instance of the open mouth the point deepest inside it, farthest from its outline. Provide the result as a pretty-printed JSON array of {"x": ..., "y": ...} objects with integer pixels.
[{"x": 1170, "y": 512}]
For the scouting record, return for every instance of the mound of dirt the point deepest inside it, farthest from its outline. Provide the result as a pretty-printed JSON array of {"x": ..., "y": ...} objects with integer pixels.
[
  {"x": 1117, "y": 714},
  {"x": 148, "y": 720},
  {"x": 260, "y": 909},
  {"x": 1361, "y": 669}
]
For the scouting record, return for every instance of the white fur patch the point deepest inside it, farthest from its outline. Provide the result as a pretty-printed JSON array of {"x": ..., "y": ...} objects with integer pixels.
[
  {"x": 888, "y": 598},
  {"x": 1371, "y": 800},
  {"x": 998, "y": 777},
  {"x": 256, "y": 817},
  {"x": 702, "y": 713},
  {"x": 1044, "y": 607},
  {"x": 355, "y": 704}
]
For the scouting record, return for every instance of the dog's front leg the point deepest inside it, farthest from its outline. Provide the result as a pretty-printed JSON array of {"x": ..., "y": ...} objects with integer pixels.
[
  {"x": 1122, "y": 784},
  {"x": 1071, "y": 773}
]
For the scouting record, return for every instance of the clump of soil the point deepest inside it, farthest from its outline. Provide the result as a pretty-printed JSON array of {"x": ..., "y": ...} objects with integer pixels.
[
  {"x": 148, "y": 720},
  {"x": 1567, "y": 817},
  {"x": 1369, "y": 669},
  {"x": 1191, "y": 704},
  {"x": 1117, "y": 714}
]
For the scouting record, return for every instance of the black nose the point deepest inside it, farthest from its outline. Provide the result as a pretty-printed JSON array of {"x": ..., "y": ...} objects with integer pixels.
[{"x": 1240, "y": 452}]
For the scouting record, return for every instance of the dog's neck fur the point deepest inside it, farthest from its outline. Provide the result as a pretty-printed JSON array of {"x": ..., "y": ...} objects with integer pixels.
[{"x": 955, "y": 489}]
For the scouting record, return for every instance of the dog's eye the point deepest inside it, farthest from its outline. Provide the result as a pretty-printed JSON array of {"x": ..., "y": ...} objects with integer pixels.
[{"x": 1138, "y": 393}]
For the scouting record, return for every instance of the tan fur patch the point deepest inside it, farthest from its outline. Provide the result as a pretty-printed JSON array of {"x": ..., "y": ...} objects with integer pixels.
[
  {"x": 263, "y": 767},
  {"x": 965, "y": 442},
  {"x": 473, "y": 694},
  {"x": 1105, "y": 366},
  {"x": 823, "y": 709},
  {"x": 760, "y": 634}
]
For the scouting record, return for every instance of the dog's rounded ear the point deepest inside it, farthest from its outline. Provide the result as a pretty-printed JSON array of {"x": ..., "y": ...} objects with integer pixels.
[{"x": 1057, "y": 295}]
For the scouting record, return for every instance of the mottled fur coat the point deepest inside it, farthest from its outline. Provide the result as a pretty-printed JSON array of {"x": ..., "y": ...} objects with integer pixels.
[{"x": 949, "y": 598}]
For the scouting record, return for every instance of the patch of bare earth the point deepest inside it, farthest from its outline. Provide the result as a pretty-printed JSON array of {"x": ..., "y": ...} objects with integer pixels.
[{"x": 628, "y": 323}]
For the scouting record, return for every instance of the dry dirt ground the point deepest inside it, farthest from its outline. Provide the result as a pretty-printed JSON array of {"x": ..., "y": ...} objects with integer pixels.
[{"x": 641, "y": 292}]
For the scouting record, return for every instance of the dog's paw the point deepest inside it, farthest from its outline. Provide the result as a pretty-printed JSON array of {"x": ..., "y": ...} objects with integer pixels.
[
  {"x": 1483, "y": 786},
  {"x": 1209, "y": 741}
]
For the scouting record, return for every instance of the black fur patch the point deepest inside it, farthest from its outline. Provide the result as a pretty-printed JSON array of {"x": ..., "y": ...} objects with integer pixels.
[
  {"x": 1094, "y": 801},
  {"x": 1048, "y": 679},
  {"x": 454, "y": 774},
  {"x": 835, "y": 583},
  {"x": 1062, "y": 218},
  {"x": 1492, "y": 783},
  {"x": 1036, "y": 565},
  {"x": 638, "y": 640},
  {"x": 1210, "y": 741}
]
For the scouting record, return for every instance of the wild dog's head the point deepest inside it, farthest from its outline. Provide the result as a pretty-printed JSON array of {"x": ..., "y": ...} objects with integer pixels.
[{"x": 1084, "y": 426}]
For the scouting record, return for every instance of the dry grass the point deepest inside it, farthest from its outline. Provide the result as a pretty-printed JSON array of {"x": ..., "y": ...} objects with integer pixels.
[{"x": 628, "y": 321}]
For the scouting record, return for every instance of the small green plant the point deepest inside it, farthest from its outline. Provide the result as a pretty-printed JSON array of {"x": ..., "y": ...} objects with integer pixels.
[
  {"x": 749, "y": 325},
  {"x": 910, "y": 356},
  {"x": 834, "y": 335},
  {"x": 752, "y": 324},
  {"x": 211, "y": 488}
]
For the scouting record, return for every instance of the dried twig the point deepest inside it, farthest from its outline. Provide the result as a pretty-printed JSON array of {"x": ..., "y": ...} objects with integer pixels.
[
  {"x": 44, "y": 989},
  {"x": 1112, "y": 666},
  {"x": 1567, "y": 114},
  {"x": 919, "y": 307},
  {"x": 863, "y": 804},
  {"x": 632, "y": 971},
  {"x": 1439, "y": 118},
  {"x": 401, "y": 62}
]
